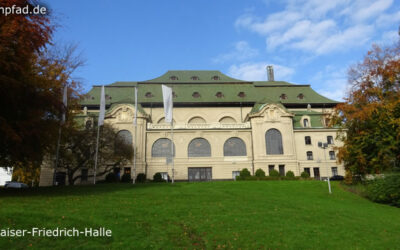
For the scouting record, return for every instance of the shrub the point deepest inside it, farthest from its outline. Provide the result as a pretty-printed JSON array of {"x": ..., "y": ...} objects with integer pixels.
[
  {"x": 141, "y": 177},
  {"x": 260, "y": 173},
  {"x": 289, "y": 174},
  {"x": 245, "y": 172},
  {"x": 385, "y": 190},
  {"x": 274, "y": 173},
  {"x": 126, "y": 178},
  {"x": 157, "y": 177},
  {"x": 111, "y": 177},
  {"x": 305, "y": 175}
]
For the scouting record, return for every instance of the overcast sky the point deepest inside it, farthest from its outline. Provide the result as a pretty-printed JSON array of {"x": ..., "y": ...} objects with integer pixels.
[{"x": 308, "y": 42}]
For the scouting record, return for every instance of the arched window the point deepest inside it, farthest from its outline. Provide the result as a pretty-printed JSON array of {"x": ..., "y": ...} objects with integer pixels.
[
  {"x": 199, "y": 147},
  {"x": 306, "y": 124},
  {"x": 197, "y": 119},
  {"x": 234, "y": 147},
  {"x": 162, "y": 121},
  {"x": 162, "y": 148},
  {"x": 273, "y": 140},
  {"x": 227, "y": 119},
  {"x": 125, "y": 136}
]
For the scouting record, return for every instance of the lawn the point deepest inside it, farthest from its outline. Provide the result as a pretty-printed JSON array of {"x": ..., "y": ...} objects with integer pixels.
[{"x": 242, "y": 214}]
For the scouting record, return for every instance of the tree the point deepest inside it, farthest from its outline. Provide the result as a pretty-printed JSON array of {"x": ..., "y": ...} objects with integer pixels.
[
  {"x": 370, "y": 115},
  {"x": 32, "y": 76},
  {"x": 78, "y": 151}
]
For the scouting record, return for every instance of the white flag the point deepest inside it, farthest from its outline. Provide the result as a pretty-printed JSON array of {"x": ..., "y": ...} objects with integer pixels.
[
  {"x": 168, "y": 103},
  {"x": 102, "y": 107},
  {"x": 135, "y": 119},
  {"x": 65, "y": 100}
]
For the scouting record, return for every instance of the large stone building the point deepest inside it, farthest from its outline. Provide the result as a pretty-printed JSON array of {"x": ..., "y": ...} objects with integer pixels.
[{"x": 221, "y": 125}]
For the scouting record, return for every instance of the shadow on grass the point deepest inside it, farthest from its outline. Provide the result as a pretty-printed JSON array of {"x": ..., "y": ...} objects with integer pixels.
[{"x": 78, "y": 190}]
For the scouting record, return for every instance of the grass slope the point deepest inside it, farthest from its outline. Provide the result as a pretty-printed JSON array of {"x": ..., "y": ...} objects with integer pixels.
[{"x": 248, "y": 215}]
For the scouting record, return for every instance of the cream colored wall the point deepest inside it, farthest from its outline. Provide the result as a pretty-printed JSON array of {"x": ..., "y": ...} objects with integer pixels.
[
  {"x": 251, "y": 132},
  {"x": 318, "y": 153}
]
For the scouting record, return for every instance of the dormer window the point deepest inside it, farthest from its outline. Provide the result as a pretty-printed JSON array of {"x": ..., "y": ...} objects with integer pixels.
[
  {"x": 148, "y": 95},
  {"x": 108, "y": 97},
  {"x": 196, "y": 94},
  {"x": 300, "y": 96},
  {"x": 173, "y": 78},
  {"x": 174, "y": 95},
  {"x": 306, "y": 123},
  {"x": 219, "y": 95},
  {"x": 215, "y": 78},
  {"x": 283, "y": 97},
  {"x": 194, "y": 78},
  {"x": 241, "y": 94}
]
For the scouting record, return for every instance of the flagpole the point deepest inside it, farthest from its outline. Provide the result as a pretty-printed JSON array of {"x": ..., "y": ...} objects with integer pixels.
[
  {"x": 97, "y": 150},
  {"x": 65, "y": 103},
  {"x": 172, "y": 137},
  {"x": 99, "y": 123},
  {"x": 57, "y": 155},
  {"x": 134, "y": 145}
]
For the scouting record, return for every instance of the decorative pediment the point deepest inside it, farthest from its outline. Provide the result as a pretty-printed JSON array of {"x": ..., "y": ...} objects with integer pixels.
[
  {"x": 270, "y": 112},
  {"x": 123, "y": 113}
]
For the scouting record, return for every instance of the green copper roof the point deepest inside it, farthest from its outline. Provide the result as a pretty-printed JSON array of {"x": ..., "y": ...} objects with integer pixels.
[
  {"x": 315, "y": 119},
  {"x": 195, "y": 76},
  {"x": 207, "y": 90}
]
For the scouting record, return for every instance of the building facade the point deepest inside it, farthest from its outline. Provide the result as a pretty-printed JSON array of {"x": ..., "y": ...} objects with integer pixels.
[{"x": 220, "y": 126}]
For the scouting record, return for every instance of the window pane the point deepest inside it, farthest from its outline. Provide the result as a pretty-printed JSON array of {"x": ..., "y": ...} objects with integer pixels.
[
  {"x": 199, "y": 147},
  {"x": 234, "y": 147},
  {"x": 162, "y": 148},
  {"x": 273, "y": 139}
]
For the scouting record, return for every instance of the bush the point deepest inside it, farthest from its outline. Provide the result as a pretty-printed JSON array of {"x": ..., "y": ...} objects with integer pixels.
[
  {"x": 260, "y": 173},
  {"x": 126, "y": 178},
  {"x": 111, "y": 177},
  {"x": 305, "y": 175},
  {"x": 385, "y": 190},
  {"x": 157, "y": 177},
  {"x": 289, "y": 174},
  {"x": 245, "y": 173},
  {"x": 274, "y": 173},
  {"x": 141, "y": 177}
]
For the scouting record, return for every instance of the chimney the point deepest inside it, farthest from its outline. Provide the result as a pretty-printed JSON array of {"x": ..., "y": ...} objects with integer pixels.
[{"x": 270, "y": 72}]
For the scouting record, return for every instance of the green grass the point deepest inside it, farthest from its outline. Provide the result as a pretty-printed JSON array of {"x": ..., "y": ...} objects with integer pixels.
[{"x": 242, "y": 214}]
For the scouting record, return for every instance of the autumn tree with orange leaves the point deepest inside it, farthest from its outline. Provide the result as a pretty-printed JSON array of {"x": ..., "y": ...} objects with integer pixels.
[
  {"x": 32, "y": 77},
  {"x": 370, "y": 115}
]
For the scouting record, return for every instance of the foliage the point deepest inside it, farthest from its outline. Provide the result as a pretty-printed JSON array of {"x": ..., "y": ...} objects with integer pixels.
[
  {"x": 266, "y": 178},
  {"x": 26, "y": 174},
  {"x": 141, "y": 178},
  {"x": 158, "y": 178},
  {"x": 305, "y": 175},
  {"x": 78, "y": 149},
  {"x": 126, "y": 178},
  {"x": 244, "y": 173},
  {"x": 111, "y": 177},
  {"x": 370, "y": 118},
  {"x": 32, "y": 76},
  {"x": 289, "y": 174},
  {"x": 260, "y": 173},
  {"x": 385, "y": 190},
  {"x": 274, "y": 173}
]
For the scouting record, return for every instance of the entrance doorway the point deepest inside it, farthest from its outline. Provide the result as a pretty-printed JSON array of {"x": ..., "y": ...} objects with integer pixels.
[
  {"x": 199, "y": 174},
  {"x": 316, "y": 173}
]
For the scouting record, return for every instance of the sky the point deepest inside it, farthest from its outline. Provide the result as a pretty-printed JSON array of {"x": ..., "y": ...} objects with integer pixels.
[{"x": 307, "y": 41}]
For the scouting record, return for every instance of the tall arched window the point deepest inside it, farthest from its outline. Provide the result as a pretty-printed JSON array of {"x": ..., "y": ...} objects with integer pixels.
[
  {"x": 273, "y": 140},
  {"x": 162, "y": 148},
  {"x": 234, "y": 147},
  {"x": 125, "y": 136},
  {"x": 199, "y": 147}
]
